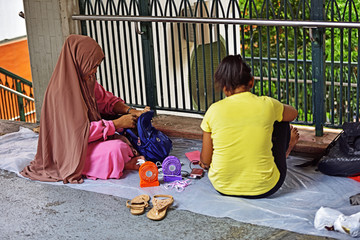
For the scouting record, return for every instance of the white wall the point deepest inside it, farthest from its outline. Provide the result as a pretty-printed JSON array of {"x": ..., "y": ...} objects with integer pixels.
[{"x": 11, "y": 24}]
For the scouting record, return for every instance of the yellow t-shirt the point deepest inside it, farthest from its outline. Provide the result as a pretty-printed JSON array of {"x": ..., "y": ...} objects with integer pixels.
[{"x": 241, "y": 129}]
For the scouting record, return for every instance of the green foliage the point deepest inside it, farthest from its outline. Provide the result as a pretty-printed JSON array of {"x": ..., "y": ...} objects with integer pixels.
[{"x": 289, "y": 47}]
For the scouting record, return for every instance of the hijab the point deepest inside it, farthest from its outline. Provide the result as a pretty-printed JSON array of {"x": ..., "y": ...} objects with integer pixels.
[{"x": 68, "y": 108}]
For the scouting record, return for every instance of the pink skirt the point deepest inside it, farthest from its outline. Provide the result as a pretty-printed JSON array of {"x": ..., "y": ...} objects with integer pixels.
[{"x": 106, "y": 159}]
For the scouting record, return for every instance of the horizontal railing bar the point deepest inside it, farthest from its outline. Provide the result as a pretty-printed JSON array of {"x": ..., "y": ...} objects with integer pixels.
[
  {"x": 12, "y": 75},
  {"x": 327, "y": 83},
  {"x": 283, "y": 60},
  {"x": 241, "y": 21},
  {"x": 17, "y": 93},
  {"x": 29, "y": 113},
  {"x": 26, "y": 115}
]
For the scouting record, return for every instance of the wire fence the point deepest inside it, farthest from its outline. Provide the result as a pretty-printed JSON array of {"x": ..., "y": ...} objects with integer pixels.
[{"x": 165, "y": 53}]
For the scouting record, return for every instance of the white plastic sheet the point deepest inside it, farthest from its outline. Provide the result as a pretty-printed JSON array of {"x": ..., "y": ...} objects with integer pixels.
[{"x": 292, "y": 208}]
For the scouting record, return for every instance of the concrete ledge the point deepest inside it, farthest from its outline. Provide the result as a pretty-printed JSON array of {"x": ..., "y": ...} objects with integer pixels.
[
  {"x": 186, "y": 127},
  {"x": 7, "y": 126},
  {"x": 175, "y": 126}
]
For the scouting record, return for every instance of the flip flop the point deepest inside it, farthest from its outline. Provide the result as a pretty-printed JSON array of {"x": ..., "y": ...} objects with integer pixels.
[
  {"x": 160, "y": 206},
  {"x": 138, "y": 204}
]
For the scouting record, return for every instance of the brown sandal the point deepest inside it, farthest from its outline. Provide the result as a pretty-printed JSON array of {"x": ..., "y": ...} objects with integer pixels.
[
  {"x": 138, "y": 204},
  {"x": 160, "y": 207}
]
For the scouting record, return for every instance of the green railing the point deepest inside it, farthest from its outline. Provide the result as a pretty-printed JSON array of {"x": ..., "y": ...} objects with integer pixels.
[
  {"x": 164, "y": 53},
  {"x": 16, "y": 98}
]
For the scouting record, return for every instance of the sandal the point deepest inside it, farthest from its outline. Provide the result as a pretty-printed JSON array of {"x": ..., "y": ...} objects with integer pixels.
[
  {"x": 138, "y": 204},
  {"x": 160, "y": 207}
]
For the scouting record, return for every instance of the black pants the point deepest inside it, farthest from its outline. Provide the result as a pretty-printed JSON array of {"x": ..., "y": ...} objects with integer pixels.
[{"x": 280, "y": 140}]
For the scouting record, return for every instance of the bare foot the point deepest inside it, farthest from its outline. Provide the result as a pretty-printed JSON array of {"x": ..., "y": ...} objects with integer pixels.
[
  {"x": 132, "y": 164},
  {"x": 294, "y": 138}
]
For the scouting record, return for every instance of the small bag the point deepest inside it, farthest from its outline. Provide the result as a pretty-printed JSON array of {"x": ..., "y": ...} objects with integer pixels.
[
  {"x": 150, "y": 142},
  {"x": 350, "y": 139},
  {"x": 342, "y": 156}
]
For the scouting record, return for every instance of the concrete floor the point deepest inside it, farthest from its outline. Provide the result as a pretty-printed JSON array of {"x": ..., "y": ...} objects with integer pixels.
[{"x": 34, "y": 210}]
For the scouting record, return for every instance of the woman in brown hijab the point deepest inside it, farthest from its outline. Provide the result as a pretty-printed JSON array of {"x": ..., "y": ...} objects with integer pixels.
[{"x": 74, "y": 141}]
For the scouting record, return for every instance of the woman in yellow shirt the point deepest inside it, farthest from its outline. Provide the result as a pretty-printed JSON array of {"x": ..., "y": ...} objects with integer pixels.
[{"x": 246, "y": 138}]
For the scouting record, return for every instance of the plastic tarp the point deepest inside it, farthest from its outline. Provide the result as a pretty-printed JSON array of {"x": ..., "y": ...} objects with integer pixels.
[{"x": 292, "y": 208}]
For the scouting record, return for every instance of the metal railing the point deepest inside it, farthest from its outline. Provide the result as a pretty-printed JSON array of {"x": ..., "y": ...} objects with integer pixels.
[
  {"x": 16, "y": 98},
  {"x": 192, "y": 20},
  {"x": 169, "y": 62}
]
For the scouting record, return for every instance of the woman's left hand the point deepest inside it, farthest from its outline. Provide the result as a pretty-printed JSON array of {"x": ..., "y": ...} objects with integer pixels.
[
  {"x": 125, "y": 121},
  {"x": 139, "y": 112},
  {"x": 204, "y": 166}
]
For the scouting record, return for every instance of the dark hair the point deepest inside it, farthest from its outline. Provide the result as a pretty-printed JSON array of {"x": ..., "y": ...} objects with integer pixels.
[{"x": 232, "y": 72}]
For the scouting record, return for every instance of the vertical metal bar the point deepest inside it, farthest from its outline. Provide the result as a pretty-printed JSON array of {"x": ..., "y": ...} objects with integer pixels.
[
  {"x": 119, "y": 40},
  {"x": 261, "y": 61},
  {"x": 166, "y": 53},
  {"x": 278, "y": 88},
  {"x": 138, "y": 64},
  {"x": 219, "y": 44},
  {"x": 13, "y": 104},
  {"x": 349, "y": 113},
  {"x": 242, "y": 33},
  {"x": 8, "y": 107},
  {"x": 126, "y": 47},
  {"x": 3, "y": 105},
  {"x": 304, "y": 65},
  {"x": 268, "y": 49},
  {"x": 82, "y": 12},
  {"x": 112, "y": 25},
  {"x": 332, "y": 87},
  {"x": 332, "y": 74},
  {"x": 358, "y": 80},
  {"x": 251, "y": 41},
  {"x": 182, "y": 79},
  {"x": 242, "y": 41},
  {"x": 226, "y": 27},
  {"x": 318, "y": 66},
  {"x": 20, "y": 101},
  {"x": 234, "y": 27},
  {"x": 11, "y": 101},
  {"x": 196, "y": 67},
  {"x": 148, "y": 55},
  {"x": 201, "y": 5},
  {"x": 286, "y": 57},
  {"x": 102, "y": 34},
  {"x": 341, "y": 76},
  {"x": 296, "y": 70},
  {"x": 94, "y": 33},
  {"x": 188, "y": 55},
  {"x": 139, "y": 97},
  {"x": 159, "y": 56},
  {"x": 131, "y": 54},
  {"x": 173, "y": 54},
  {"x": 212, "y": 63},
  {"x": 109, "y": 58}
]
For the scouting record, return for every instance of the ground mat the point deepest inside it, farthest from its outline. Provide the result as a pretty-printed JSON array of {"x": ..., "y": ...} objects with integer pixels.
[{"x": 292, "y": 208}]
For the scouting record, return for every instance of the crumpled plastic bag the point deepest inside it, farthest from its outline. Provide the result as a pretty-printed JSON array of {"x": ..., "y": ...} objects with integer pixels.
[
  {"x": 333, "y": 220},
  {"x": 355, "y": 200},
  {"x": 325, "y": 218},
  {"x": 348, "y": 224}
]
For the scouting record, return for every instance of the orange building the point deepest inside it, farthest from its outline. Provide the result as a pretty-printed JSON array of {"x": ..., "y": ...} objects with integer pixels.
[{"x": 14, "y": 58}]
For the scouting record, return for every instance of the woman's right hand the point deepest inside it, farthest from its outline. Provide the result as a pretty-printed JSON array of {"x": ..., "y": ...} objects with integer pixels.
[{"x": 125, "y": 121}]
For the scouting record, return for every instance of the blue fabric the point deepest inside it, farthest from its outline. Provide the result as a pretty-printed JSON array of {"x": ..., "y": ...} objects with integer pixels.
[{"x": 150, "y": 142}]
